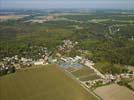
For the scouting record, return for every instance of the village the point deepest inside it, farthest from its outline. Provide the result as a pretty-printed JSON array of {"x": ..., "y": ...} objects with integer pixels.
[{"x": 11, "y": 64}]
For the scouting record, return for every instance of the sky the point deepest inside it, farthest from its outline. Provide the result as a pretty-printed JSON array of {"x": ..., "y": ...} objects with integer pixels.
[{"x": 43, "y": 4}]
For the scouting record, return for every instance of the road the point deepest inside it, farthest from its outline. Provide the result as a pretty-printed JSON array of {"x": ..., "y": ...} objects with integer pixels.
[
  {"x": 88, "y": 64},
  {"x": 80, "y": 83}
]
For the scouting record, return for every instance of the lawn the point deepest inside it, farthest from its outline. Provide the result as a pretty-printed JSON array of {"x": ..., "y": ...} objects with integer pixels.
[{"x": 43, "y": 83}]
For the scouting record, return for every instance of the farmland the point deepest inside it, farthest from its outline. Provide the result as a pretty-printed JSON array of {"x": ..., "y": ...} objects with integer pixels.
[
  {"x": 11, "y": 17},
  {"x": 43, "y": 83},
  {"x": 114, "y": 92}
]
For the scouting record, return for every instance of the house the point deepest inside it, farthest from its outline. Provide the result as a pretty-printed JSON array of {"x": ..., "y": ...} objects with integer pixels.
[{"x": 77, "y": 58}]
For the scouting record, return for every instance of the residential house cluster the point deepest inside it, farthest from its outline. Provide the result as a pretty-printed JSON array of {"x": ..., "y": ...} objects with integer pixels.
[
  {"x": 67, "y": 44},
  {"x": 9, "y": 64}
]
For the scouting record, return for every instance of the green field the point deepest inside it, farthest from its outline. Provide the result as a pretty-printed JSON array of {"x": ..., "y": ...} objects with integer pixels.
[
  {"x": 83, "y": 71},
  {"x": 89, "y": 77},
  {"x": 85, "y": 74},
  {"x": 43, "y": 83}
]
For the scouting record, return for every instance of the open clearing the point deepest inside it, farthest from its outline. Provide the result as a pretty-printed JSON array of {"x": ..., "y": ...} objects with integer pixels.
[
  {"x": 114, "y": 92},
  {"x": 41, "y": 19},
  {"x": 43, "y": 83}
]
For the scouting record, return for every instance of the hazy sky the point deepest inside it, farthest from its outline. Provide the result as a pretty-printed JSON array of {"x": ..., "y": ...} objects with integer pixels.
[{"x": 42, "y": 4}]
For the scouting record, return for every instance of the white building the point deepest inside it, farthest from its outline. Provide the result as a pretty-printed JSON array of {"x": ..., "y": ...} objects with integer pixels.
[{"x": 40, "y": 62}]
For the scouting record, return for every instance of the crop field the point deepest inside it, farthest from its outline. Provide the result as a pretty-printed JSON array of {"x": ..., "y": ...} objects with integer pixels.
[
  {"x": 85, "y": 74},
  {"x": 114, "y": 92},
  {"x": 43, "y": 83},
  {"x": 9, "y": 17}
]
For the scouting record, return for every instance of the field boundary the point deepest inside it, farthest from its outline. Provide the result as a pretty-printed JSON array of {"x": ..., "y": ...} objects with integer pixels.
[{"x": 79, "y": 82}]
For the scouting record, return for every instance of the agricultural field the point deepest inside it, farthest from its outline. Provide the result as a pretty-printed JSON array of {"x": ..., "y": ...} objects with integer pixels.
[
  {"x": 85, "y": 74},
  {"x": 11, "y": 17},
  {"x": 114, "y": 92},
  {"x": 42, "y": 83}
]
